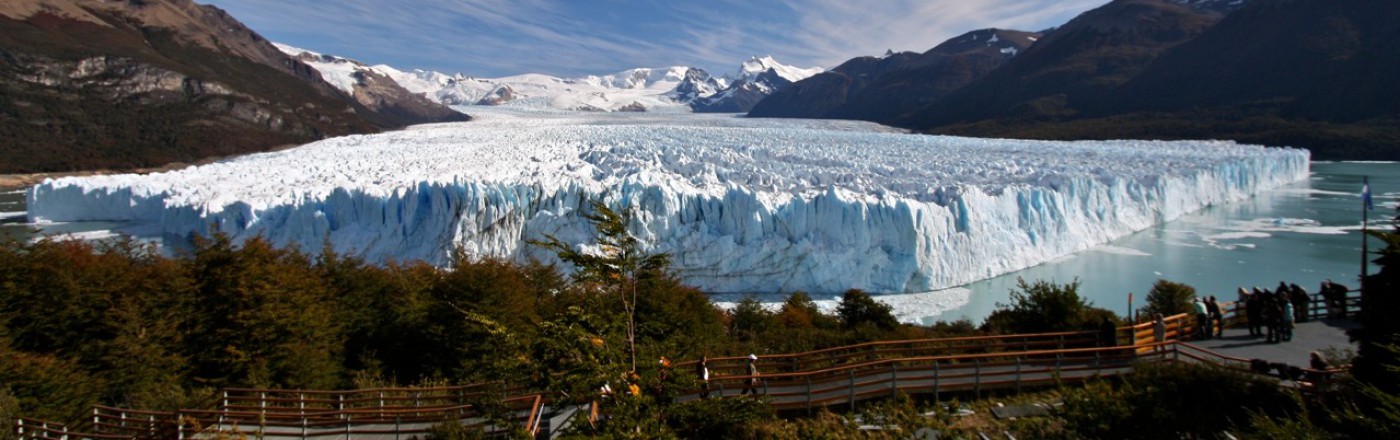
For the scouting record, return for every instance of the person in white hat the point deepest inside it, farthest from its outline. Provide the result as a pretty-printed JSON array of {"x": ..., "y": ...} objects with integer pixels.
[{"x": 751, "y": 384}]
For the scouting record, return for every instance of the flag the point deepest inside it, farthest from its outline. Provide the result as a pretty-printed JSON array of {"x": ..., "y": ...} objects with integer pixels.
[{"x": 1366, "y": 194}]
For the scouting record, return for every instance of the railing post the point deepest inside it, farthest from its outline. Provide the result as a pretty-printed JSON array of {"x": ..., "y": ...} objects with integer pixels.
[
  {"x": 96, "y": 428},
  {"x": 936, "y": 378},
  {"x": 301, "y": 404},
  {"x": 19, "y": 427},
  {"x": 809, "y": 395},
  {"x": 851, "y": 391},
  {"x": 381, "y": 404},
  {"x": 1018, "y": 375},
  {"x": 894, "y": 379},
  {"x": 262, "y": 403},
  {"x": 977, "y": 377},
  {"x": 1059, "y": 358}
]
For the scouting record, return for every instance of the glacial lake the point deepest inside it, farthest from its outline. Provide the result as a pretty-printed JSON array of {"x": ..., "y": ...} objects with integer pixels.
[{"x": 1303, "y": 233}]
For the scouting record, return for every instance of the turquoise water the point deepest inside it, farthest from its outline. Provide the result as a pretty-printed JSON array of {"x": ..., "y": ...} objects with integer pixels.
[{"x": 1303, "y": 233}]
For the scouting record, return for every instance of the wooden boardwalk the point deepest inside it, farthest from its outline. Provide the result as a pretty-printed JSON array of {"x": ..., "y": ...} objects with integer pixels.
[{"x": 835, "y": 377}]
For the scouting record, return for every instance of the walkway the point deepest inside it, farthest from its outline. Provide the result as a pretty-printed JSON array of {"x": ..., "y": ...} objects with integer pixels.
[{"x": 1307, "y": 337}]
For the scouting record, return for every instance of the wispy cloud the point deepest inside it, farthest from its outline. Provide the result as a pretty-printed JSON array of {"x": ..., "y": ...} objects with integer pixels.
[{"x": 571, "y": 37}]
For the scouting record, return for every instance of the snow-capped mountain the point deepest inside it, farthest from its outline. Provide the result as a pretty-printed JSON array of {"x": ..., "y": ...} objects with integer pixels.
[
  {"x": 757, "y": 78},
  {"x": 371, "y": 88},
  {"x": 670, "y": 89}
]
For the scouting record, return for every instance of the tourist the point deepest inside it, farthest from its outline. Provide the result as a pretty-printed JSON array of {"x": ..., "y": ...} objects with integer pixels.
[
  {"x": 1273, "y": 319},
  {"x": 1339, "y": 293},
  {"x": 1159, "y": 331},
  {"x": 1254, "y": 312},
  {"x": 751, "y": 383},
  {"x": 1300, "y": 300},
  {"x": 1317, "y": 362},
  {"x": 1217, "y": 320},
  {"x": 1286, "y": 321},
  {"x": 1202, "y": 319},
  {"x": 702, "y": 371},
  {"x": 1108, "y": 333}
]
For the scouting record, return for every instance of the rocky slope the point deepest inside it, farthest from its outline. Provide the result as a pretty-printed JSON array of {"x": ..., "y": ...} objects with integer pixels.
[
  {"x": 882, "y": 88},
  {"x": 1317, "y": 74},
  {"x": 140, "y": 83}
]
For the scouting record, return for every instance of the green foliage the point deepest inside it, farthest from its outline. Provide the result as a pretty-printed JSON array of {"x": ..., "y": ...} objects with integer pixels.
[
  {"x": 858, "y": 310},
  {"x": 1169, "y": 298},
  {"x": 621, "y": 265},
  {"x": 1156, "y": 401},
  {"x": 717, "y": 418},
  {"x": 749, "y": 319},
  {"x": 1378, "y": 326},
  {"x": 454, "y": 430},
  {"x": 1044, "y": 307}
]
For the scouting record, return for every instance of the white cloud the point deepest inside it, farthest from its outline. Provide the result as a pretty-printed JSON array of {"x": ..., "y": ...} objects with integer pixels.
[{"x": 501, "y": 37}]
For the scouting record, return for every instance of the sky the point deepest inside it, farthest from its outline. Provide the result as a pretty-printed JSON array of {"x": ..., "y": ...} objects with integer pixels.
[{"x": 570, "y": 38}]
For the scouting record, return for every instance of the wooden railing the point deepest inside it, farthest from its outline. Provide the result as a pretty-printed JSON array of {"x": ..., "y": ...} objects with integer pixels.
[
  {"x": 830, "y": 357},
  {"x": 819, "y": 378},
  {"x": 308, "y": 414}
]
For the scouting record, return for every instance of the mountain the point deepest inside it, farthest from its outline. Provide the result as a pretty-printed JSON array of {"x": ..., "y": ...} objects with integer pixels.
[
  {"x": 757, "y": 79},
  {"x": 1077, "y": 64},
  {"x": 1315, "y": 74},
  {"x": 629, "y": 90},
  {"x": 142, "y": 83},
  {"x": 668, "y": 89},
  {"x": 882, "y": 88},
  {"x": 374, "y": 90}
]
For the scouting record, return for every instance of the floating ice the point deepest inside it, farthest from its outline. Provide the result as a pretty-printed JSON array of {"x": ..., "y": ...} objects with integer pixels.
[{"x": 745, "y": 205}]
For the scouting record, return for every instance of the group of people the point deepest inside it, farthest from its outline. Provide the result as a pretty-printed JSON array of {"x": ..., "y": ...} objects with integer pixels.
[
  {"x": 1210, "y": 321},
  {"x": 1273, "y": 314},
  {"x": 751, "y": 383}
]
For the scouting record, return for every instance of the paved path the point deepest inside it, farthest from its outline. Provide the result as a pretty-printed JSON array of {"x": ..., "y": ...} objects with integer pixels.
[{"x": 1308, "y": 336}]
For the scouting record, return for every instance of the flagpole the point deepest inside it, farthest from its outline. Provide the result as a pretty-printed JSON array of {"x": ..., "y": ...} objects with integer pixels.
[{"x": 1365, "y": 206}]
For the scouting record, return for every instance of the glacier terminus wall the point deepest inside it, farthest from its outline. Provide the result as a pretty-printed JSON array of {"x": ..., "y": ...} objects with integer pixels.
[{"x": 744, "y": 205}]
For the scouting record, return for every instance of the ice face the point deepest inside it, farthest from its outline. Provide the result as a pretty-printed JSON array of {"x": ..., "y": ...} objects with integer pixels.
[{"x": 744, "y": 205}]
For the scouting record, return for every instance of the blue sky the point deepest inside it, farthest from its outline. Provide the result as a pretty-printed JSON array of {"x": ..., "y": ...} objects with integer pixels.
[{"x": 492, "y": 38}]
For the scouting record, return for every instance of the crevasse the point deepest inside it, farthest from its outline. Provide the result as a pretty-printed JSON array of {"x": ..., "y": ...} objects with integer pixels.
[{"x": 744, "y": 205}]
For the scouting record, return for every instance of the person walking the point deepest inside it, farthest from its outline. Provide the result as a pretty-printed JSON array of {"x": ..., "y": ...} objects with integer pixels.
[
  {"x": 702, "y": 372},
  {"x": 751, "y": 383}
]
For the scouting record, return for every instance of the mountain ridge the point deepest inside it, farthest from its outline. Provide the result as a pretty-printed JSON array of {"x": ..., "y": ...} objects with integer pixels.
[{"x": 146, "y": 83}]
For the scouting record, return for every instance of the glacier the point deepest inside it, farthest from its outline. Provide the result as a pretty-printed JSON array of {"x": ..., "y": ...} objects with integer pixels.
[{"x": 743, "y": 204}]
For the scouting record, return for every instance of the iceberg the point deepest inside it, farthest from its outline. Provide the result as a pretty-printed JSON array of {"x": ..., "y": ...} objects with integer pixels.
[{"x": 743, "y": 204}]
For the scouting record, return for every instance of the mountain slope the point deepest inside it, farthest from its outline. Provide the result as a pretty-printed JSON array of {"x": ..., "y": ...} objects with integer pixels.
[
  {"x": 141, "y": 83},
  {"x": 1317, "y": 74},
  {"x": 880, "y": 89},
  {"x": 758, "y": 78},
  {"x": 667, "y": 89},
  {"x": 375, "y": 90},
  {"x": 1077, "y": 64}
]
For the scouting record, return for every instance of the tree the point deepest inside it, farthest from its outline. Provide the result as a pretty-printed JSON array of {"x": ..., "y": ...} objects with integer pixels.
[
  {"x": 620, "y": 264},
  {"x": 857, "y": 309},
  {"x": 1044, "y": 307},
  {"x": 1169, "y": 298},
  {"x": 1380, "y": 298}
]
